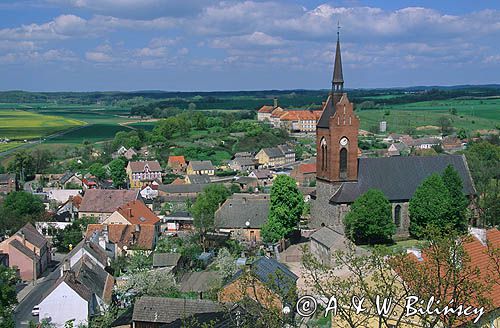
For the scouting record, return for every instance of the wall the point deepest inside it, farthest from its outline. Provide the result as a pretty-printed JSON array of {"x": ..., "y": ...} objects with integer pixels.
[{"x": 64, "y": 304}]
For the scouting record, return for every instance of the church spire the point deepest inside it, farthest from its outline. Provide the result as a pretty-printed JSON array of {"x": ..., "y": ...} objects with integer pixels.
[{"x": 338, "y": 77}]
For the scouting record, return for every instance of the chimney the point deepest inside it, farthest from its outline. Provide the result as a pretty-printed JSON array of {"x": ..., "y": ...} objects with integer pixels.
[
  {"x": 129, "y": 212},
  {"x": 275, "y": 102},
  {"x": 23, "y": 237}
]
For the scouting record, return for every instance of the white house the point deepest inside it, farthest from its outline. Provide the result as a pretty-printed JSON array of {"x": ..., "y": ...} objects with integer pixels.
[
  {"x": 68, "y": 300},
  {"x": 80, "y": 292}
]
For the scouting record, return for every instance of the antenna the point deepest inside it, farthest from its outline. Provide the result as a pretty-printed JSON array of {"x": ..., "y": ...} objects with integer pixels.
[{"x": 338, "y": 30}]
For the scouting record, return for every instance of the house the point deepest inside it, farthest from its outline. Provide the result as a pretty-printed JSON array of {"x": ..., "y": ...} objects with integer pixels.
[
  {"x": 28, "y": 252},
  {"x": 452, "y": 144},
  {"x": 197, "y": 179},
  {"x": 264, "y": 177},
  {"x": 264, "y": 113},
  {"x": 80, "y": 293},
  {"x": 94, "y": 250},
  {"x": 304, "y": 173},
  {"x": 341, "y": 176},
  {"x": 267, "y": 281},
  {"x": 133, "y": 212},
  {"x": 242, "y": 164},
  {"x": 169, "y": 261},
  {"x": 177, "y": 164},
  {"x": 300, "y": 121},
  {"x": 478, "y": 248},
  {"x": 275, "y": 156},
  {"x": 101, "y": 203},
  {"x": 69, "y": 179},
  {"x": 69, "y": 209},
  {"x": 425, "y": 143},
  {"x": 60, "y": 196},
  {"x": 243, "y": 215},
  {"x": 200, "y": 167},
  {"x": 143, "y": 173},
  {"x": 325, "y": 242},
  {"x": 397, "y": 149},
  {"x": 180, "y": 192},
  {"x": 90, "y": 183},
  {"x": 129, "y": 154},
  {"x": 247, "y": 183},
  {"x": 167, "y": 312},
  {"x": 150, "y": 192},
  {"x": 178, "y": 221},
  {"x": 8, "y": 183},
  {"x": 125, "y": 238},
  {"x": 199, "y": 282}
]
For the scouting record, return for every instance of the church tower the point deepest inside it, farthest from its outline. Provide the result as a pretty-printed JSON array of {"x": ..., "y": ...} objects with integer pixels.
[{"x": 337, "y": 132}]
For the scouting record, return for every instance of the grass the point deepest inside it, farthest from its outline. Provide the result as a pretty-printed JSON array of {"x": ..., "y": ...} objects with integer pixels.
[
  {"x": 92, "y": 133},
  {"x": 20, "y": 125},
  {"x": 10, "y": 145}
]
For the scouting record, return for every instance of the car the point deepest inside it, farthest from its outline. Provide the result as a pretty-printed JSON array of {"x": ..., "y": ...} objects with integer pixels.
[{"x": 36, "y": 310}]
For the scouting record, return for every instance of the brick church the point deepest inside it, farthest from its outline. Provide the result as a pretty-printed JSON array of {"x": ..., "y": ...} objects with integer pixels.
[{"x": 342, "y": 177}]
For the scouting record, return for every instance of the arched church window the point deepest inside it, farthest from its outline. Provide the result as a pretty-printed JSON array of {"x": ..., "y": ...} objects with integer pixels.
[
  {"x": 324, "y": 154},
  {"x": 397, "y": 215},
  {"x": 343, "y": 163}
]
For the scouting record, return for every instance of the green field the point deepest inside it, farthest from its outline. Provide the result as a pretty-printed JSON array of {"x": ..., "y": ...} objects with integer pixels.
[
  {"x": 20, "y": 125},
  {"x": 471, "y": 115}
]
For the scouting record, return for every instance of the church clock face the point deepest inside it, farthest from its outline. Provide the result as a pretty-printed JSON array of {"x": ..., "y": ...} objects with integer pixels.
[{"x": 344, "y": 141}]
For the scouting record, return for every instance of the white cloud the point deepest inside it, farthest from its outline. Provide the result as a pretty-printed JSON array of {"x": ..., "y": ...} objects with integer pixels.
[
  {"x": 98, "y": 57},
  {"x": 151, "y": 52},
  {"x": 250, "y": 40}
]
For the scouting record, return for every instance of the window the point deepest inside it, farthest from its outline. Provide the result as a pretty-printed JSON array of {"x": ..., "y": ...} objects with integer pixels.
[
  {"x": 397, "y": 215},
  {"x": 343, "y": 163},
  {"x": 324, "y": 155}
]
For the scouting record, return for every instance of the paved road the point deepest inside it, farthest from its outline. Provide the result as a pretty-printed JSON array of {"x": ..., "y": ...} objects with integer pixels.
[{"x": 22, "y": 313}]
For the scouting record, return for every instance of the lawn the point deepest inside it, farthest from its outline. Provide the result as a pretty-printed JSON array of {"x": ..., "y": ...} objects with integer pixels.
[{"x": 20, "y": 125}]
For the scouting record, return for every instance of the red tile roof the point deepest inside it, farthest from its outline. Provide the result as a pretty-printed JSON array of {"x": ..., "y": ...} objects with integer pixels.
[
  {"x": 136, "y": 212},
  {"x": 307, "y": 168},
  {"x": 130, "y": 235},
  {"x": 301, "y": 115},
  {"x": 178, "y": 160},
  {"x": 266, "y": 109},
  {"x": 481, "y": 259},
  {"x": 106, "y": 200}
]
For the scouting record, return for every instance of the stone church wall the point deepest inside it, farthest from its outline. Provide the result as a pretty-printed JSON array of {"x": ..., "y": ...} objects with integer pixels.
[{"x": 323, "y": 213}]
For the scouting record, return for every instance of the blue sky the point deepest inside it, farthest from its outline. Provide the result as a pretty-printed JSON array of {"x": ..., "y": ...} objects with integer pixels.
[{"x": 205, "y": 45}]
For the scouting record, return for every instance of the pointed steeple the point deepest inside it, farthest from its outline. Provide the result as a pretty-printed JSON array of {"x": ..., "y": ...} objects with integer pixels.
[{"x": 338, "y": 77}]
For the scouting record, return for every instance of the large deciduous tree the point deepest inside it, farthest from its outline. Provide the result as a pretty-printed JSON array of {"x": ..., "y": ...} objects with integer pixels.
[
  {"x": 459, "y": 202},
  {"x": 19, "y": 208},
  {"x": 117, "y": 172},
  {"x": 430, "y": 206},
  {"x": 370, "y": 219},
  {"x": 285, "y": 210},
  {"x": 8, "y": 299},
  {"x": 204, "y": 208}
]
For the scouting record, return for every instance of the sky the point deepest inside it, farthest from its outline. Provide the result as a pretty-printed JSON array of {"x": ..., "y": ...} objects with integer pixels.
[{"x": 211, "y": 45}]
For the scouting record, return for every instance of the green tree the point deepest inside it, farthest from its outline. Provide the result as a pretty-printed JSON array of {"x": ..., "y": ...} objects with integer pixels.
[
  {"x": 70, "y": 236},
  {"x": 370, "y": 219},
  {"x": 8, "y": 299},
  {"x": 117, "y": 172},
  {"x": 22, "y": 165},
  {"x": 19, "y": 208},
  {"x": 225, "y": 263},
  {"x": 204, "y": 208},
  {"x": 445, "y": 125},
  {"x": 98, "y": 170},
  {"x": 199, "y": 121},
  {"x": 483, "y": 158},
  {"x": 459, "y": 202},
  {"x": 430, "y": 206},
  {"x": 285, "y": 210}
]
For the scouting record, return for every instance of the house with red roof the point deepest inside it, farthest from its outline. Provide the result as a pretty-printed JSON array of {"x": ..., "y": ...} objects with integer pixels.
[
  {"x": 304, "y": 173},
  {"x": 177, "y": 164}
]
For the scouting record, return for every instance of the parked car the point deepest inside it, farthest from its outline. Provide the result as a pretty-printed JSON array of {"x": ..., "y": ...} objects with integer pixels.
[{"x": 36, "y": 310}]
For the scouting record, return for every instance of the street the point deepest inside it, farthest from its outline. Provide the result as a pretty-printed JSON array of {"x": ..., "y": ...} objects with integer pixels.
[{"x": 22, "y": 313}]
